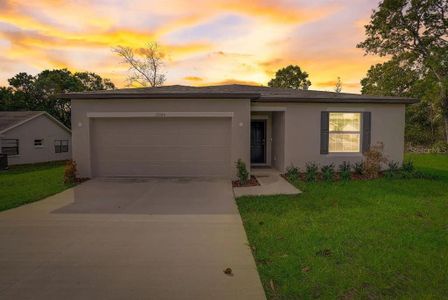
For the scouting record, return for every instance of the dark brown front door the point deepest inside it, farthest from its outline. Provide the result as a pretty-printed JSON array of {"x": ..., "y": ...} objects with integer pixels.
[{"x": 258, "y": 142}]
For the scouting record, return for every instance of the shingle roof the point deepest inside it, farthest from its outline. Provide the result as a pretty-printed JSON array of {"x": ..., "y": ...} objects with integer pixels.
[
  {"x": 11, "y": 118},
  {"x": 255, "y": 93}
]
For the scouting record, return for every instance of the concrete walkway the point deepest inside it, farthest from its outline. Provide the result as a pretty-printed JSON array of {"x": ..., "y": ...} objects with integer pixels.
[
  {"x": 128, "y": 239},
  {"x": 271, "y": 183}
]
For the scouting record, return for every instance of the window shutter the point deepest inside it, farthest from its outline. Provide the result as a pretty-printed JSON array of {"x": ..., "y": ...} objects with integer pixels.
[
  {"x": 324, "y": 134},
  {"x": 366, "y": 125}
]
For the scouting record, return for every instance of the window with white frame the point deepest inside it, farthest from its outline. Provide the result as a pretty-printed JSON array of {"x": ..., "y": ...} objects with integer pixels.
[
  {"x": 344, "y": 132},
  {"x": 10, "y": 147},
  {"x": 38, "y": 143},
  {"x": 60, "y": 146}
]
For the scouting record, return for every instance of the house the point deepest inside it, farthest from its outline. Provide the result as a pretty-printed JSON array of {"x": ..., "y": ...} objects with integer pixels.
[
  {"x": 32, "y": 137},
  {"x": 202, "y": 131}
]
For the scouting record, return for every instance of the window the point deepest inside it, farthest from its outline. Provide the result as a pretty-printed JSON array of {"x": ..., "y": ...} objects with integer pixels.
[
  {"x": 344, "y": 132},
  {"x": 10, "y": 147},
  {"x": 60, "y": 146},
  {"x": 38, "y": 143}
]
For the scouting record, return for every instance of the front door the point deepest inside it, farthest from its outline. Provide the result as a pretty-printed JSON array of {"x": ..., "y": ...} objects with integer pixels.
[{"x": 258, "y": 142}]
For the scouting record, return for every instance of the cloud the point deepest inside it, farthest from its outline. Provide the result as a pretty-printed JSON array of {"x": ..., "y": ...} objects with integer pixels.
[
  {"x": 221, "y": 41},
  {"x": 194, "y": 79}
]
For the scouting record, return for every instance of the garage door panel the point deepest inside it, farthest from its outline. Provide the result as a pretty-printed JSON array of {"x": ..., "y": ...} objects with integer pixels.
[{"x": 161, "y": 147}]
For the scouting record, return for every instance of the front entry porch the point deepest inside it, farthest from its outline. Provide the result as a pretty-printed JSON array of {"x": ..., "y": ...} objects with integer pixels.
[{"x": 267, "y": 144}]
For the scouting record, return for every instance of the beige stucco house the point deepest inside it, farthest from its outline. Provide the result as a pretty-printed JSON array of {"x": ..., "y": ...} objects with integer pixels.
[
  {"x": 202, "y": 131},
  {"x": 32, "y": 137}
]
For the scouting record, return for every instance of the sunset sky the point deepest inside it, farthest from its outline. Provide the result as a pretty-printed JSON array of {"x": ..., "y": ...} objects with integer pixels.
[{"x": 206, "y": 41}]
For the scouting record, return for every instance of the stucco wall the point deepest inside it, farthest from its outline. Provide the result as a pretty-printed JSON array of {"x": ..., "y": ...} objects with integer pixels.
[
  {"x": 39, "y": 128},
  {"x": 278, "y": 140},
  {"x": 240, "y": 140},
  {"x": 302, "y": 131}
]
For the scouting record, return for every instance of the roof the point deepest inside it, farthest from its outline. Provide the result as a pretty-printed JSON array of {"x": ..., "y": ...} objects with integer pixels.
[
  {"x": 12, "y": 119},
  {"x": 237, "y": 91}
]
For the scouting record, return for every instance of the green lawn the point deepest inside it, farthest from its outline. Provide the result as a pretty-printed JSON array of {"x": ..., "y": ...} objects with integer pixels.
[
  {"x": 29, "y": 183},
  {"x": 385, "y": 238}
]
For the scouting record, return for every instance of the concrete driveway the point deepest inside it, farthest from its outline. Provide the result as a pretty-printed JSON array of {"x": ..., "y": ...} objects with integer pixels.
[{"x": 128, "y": 239}]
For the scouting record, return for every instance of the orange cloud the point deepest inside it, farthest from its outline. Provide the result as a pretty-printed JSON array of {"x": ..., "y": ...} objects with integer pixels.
[{"x": 193, "y": 78}]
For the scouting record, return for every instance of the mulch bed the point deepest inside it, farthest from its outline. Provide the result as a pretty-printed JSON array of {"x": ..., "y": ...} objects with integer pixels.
[
  {"x": 251, "y": 182},
  {"x": 336, "y": 177}
]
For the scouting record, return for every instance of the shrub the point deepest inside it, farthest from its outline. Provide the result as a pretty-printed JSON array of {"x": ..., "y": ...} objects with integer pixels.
[
  {"x": 242, "y": 173},
  {"x": 439, "y": 147},
  {"x": 408, "y": 166},
  {"x": 292, "y": 173},
  {"x": 311, "y": 171},
  {"x": 393, "y": 169},
  {"x": 328, "y": 172},
  {"x": 70, "y": 171},
  {"x": 373, "y": 159},
  {"x": 345, "y": 170},
  {"x": 359, "y": 168}
]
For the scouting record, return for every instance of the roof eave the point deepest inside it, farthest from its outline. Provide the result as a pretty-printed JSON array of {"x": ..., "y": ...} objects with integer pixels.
[
  {"x": 338, "y": 100},
  {"x": 160, "y": 96}
]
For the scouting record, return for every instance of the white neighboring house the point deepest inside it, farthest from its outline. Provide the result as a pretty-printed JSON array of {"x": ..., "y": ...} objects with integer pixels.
[{"x": 32, "y": 137}]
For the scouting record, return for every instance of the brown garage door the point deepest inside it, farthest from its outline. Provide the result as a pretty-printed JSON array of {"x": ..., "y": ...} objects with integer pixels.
[{"x": 163, "y": 147}]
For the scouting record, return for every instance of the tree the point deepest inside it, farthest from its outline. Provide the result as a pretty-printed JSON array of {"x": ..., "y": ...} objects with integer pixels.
[
  {"x": 392, "y": 78},
  {"x": 338, "y": 87},
  {"x": 415, "y": 33},
  {"x": 290, "y": 77},
  {"x": 94, "y": 82},
  {"x": 27, "y": 92},
  {"x": 145, "y": 65}
]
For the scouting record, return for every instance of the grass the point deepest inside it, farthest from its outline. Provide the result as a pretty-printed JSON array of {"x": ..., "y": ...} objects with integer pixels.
[
  {"x": 384, "y": 238},
  {"x": 28, "y": 183}
]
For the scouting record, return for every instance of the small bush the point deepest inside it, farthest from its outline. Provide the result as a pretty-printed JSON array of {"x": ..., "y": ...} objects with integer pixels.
[
  {"x": 70, "y": 171},
  {"x": 373, "y": 159},
  {"x": 393, "y": 169},
  {"x": 242, "y": 173},
  {"x": 439, "y": 147},
  {"x": 328, "y": 172},
  {"x": 358, "y": 168},
  {"x": 345, "y": 170},
  {"x": 292, "y": 173},
  {"x": 408, "y": 166},
  {"x": 311, "y": 171}
]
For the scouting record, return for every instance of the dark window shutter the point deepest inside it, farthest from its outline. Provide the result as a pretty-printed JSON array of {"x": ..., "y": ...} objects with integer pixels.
[
  {"x": 366, "y": 125},
  {"x": 324, "y": 134}
]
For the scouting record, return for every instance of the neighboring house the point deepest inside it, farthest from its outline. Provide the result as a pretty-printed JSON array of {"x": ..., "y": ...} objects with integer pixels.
[
  {"x": 32, "y": 137},
  {"x": 202, "y": 131}
]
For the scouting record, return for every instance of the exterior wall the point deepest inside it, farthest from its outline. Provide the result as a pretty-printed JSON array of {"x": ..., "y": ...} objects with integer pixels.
[
  {"x": 81, "y": 132},
  {"x": 302, "y": 131},
  {"x": 39, "y": 128},
  {"x": 278, "y": 140}
]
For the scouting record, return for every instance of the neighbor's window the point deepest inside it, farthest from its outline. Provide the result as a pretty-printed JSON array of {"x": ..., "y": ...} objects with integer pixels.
[
  {"x": 10, "y": 146},
  {"x": 345, "y": 132},
  {"x": 60, "y": 146},
  {"x": 38, "y": 143}
]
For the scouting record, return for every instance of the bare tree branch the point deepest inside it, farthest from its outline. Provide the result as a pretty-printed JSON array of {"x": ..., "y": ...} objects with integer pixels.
[{"x": 145, "y": 65}]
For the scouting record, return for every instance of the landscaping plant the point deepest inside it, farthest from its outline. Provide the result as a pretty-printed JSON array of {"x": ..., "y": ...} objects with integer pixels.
[
  {"x": 292, "y": 173},
  {"x": 328, "y": 172},
  {"x": 70, "y": 172},
  {"x": 408, "y": 166},
  {"x": 373, "y": 159},
  {"x": 345, "y": 171},
  {"x": 393, "y": 169},
  {"x": 242, "y": 173},
  {"x": 358, "y": 167},
  {"x": 311, "y": 171}
]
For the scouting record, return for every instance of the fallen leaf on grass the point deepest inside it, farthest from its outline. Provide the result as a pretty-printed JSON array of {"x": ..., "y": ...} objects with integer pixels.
[
  {"x": 228, "y": 271},
  {"x": 306, "y": 269}
]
